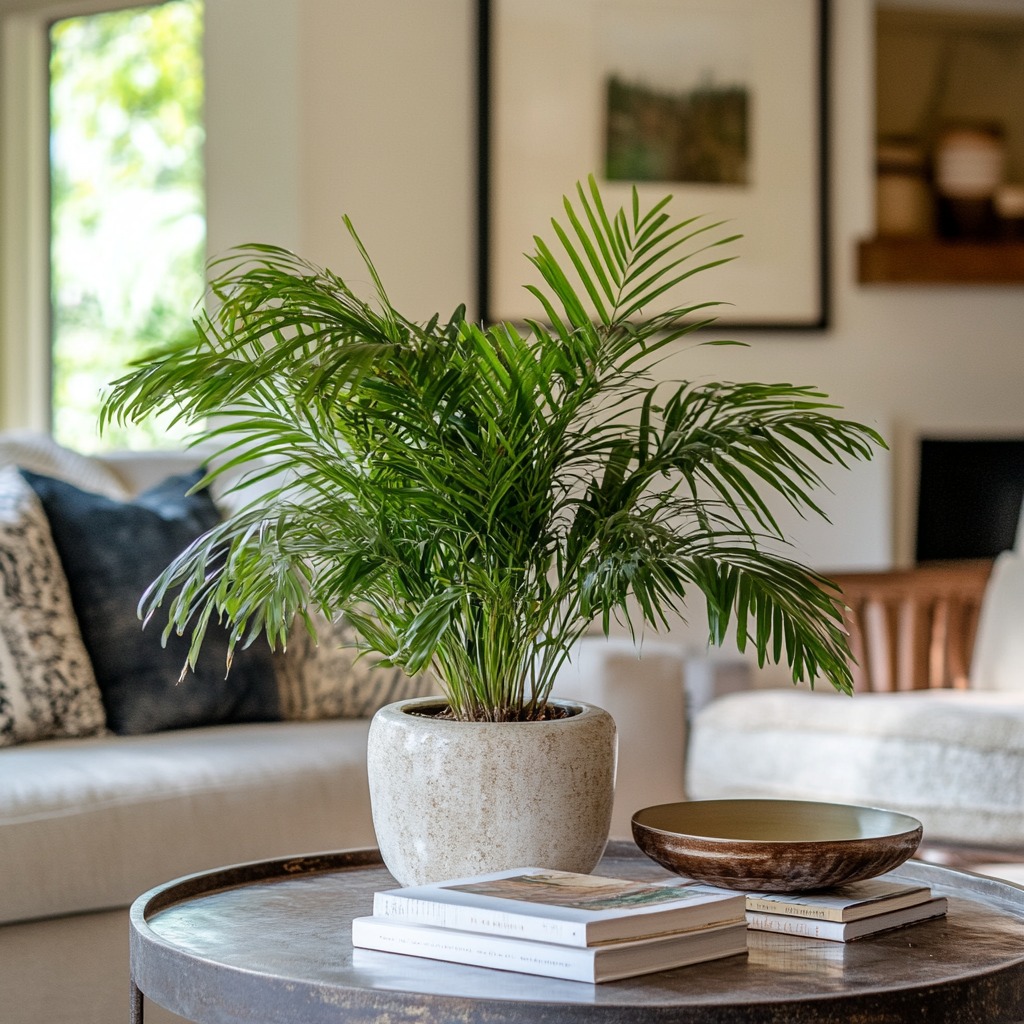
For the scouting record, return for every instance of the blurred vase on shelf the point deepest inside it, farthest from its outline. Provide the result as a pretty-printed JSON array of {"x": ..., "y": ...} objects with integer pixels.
[
  {"x": 1009, "y": 202},
  {"x": 903, "y": 205},
  {"x": 969, "y": 165}
]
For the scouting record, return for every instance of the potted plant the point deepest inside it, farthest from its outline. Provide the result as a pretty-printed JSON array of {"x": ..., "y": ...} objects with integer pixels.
[{"x": 474, "y": 497}]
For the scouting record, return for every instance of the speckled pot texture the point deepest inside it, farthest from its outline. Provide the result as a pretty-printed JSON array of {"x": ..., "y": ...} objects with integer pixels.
[{"x": 453, "y": 799}]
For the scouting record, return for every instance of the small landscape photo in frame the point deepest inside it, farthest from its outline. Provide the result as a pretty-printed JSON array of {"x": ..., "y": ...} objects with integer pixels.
[{"x": 721, "y": 103}]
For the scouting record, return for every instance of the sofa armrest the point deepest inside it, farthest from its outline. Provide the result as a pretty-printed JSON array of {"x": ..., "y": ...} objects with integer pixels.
[{"x": 641, "y": 687}]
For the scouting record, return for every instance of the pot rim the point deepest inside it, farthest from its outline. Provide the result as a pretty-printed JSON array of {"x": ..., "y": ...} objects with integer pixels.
[{"x": 399, "y": 710}]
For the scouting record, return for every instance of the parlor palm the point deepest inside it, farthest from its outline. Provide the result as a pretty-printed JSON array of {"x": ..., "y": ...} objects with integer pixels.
[{"x": 474, "y": 497}]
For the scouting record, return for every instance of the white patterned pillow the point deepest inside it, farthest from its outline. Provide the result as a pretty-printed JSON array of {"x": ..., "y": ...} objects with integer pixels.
[
  {"x": 330, "y": 679},
  {"x": 47, "y": 686},
  {"x": 39, "y": 453}
]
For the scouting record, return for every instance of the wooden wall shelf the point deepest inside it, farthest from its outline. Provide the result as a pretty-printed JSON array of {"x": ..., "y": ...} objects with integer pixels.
[{"x": 928, "y": 261}]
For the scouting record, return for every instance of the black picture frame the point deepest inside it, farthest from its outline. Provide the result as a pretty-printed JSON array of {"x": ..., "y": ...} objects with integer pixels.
[{"x": 781, "y": 278}]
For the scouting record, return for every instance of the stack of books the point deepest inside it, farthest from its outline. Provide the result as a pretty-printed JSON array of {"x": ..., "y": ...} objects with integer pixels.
[
  {"x": 845, "y": 913},
  {"x": 558, "y": 924}
]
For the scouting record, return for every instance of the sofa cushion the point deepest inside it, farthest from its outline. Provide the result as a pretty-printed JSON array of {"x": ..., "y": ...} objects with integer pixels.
[
  {"x": 111, "y": 551},
  {"x": 952, "y": 758},
  {"x": 93, "y": 823},
  {"x": 47, "y": 686},
  {"x": 331, "y": 678}
]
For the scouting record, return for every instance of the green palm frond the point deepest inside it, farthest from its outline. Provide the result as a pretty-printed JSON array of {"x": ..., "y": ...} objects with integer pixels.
[{"x": 473, "y": 497}]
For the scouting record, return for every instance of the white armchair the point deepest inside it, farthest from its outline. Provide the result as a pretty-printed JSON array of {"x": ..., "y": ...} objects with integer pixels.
[{"x": 946, "y": 746}]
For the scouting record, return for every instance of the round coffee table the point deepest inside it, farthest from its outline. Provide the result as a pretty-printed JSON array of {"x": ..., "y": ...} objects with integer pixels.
[{"x": 270, "y": 942}]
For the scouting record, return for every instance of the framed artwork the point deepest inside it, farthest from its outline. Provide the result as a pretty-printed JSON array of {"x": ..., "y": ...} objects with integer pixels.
[{"x": 720, "y": 103}]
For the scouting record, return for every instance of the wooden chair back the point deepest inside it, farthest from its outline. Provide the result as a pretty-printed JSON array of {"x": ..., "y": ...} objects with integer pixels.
[{"x": 913, "y": 629}]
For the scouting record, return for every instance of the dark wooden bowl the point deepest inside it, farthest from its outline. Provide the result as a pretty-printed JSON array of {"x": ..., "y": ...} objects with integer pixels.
[{"x": 775, "y": 845}]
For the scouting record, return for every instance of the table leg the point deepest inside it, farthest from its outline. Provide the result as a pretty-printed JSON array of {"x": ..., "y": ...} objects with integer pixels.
[{"x": 136, "y": 1012}]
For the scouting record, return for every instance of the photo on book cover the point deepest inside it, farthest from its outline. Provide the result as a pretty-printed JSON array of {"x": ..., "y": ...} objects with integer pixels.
[{"x": 581, "y": 892}]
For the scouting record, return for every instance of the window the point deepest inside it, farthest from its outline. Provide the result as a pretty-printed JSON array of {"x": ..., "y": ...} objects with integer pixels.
[{"x": 127, "y": 218}]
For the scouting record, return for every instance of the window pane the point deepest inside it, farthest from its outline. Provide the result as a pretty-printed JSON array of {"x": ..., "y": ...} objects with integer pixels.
[{"x": 128, "y": 223}]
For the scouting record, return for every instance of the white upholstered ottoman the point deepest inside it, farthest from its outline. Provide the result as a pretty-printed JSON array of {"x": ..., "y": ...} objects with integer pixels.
[{"x": 952, "y": 758}]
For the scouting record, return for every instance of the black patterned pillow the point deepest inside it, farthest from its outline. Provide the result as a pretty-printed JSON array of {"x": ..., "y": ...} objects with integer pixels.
[
  {"x": 329, "y": 679},
  {"x": 47, "y": 685},
  {"x": 111, "y": 551}
]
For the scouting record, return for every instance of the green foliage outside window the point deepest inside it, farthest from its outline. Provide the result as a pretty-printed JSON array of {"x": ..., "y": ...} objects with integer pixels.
[{"x": 128, "y": 218}]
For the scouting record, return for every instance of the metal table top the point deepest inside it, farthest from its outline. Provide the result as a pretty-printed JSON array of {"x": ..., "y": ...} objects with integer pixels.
[{"x": 270, "y": 942}]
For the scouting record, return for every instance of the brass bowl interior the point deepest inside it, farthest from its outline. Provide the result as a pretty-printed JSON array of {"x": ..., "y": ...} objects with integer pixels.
[{"x": 774, "y": 821}]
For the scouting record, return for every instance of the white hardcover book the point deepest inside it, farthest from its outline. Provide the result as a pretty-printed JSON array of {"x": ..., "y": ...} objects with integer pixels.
[
  {"x": 562, "y": 907},
  {"x": 846, "y": 931},
  {"x": 849, "y": 902},
  {"x": 593, "y": 964},
  {"x": 797, "y": 955}
]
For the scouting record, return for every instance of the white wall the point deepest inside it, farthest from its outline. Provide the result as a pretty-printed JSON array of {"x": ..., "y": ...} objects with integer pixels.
[
  {"x": 319, "y": 107},
  {"x": 384, "y": 116},
  {"x": 374, "y": 104},
  {"x": 254, "y": 183}
]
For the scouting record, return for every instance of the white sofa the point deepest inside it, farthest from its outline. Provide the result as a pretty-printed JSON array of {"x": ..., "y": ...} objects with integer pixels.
[
  {"x": 87, "y": 824},
  {"x": 952, "y": 757}
]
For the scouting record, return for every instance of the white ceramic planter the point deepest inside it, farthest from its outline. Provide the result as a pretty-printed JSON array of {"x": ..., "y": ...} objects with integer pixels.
[{"x": 453, "y": 799}]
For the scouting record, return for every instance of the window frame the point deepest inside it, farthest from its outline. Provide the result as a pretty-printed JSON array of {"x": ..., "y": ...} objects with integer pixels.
[
  {"x": 25, "y": 300},
  {"x": 24, "y": 243}
]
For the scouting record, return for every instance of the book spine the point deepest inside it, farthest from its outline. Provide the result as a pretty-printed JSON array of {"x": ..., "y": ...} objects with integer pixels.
[
  {"x": 472, "y": 919},
  {"x": 475, "y": 950},
  {"x": 794, "y": 909},
  {"x": 802, "y": 926},
  {"x": 845, "y": 931}
]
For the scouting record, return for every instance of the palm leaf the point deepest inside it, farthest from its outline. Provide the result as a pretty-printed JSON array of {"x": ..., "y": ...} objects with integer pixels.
[{"x": 471, "y": 496}]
